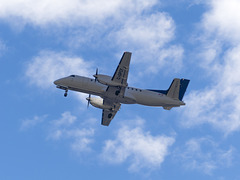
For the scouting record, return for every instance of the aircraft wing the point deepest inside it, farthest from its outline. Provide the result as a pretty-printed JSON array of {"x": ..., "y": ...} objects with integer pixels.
[
  {"x": 108, "y": 115},
  {"x": 120, "y": 76},
  {"x": 114, "y": 92},
  {"x": 121, "y": 73}
]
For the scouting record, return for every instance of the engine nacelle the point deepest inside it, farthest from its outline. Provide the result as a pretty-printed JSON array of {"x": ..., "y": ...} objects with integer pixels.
[
  {"x": 107, "y": 80},
  {"x": 98, "y": 103}
]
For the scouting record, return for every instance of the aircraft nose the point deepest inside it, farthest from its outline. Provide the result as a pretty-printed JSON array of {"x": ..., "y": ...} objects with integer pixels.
[
  {"x": 61, "y": 81},
  {"x": 57, "y": 82}
]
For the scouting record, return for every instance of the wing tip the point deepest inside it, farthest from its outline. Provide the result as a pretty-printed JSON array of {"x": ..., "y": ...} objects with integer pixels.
[{"x": 127, "y": 52}]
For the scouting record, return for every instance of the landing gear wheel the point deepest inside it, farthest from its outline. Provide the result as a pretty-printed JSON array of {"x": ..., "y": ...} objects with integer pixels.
[
  {"x": 109, "y": 115},
  {"x": 117, "y": 92},
  {"x": 65, "y": 94}
]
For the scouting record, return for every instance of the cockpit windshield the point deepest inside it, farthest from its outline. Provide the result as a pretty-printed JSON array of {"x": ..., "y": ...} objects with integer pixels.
[{"x": 72, "y": 76}]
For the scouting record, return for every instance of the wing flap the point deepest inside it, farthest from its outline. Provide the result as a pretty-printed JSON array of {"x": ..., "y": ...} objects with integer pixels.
[{"x": 108, "y": 114}]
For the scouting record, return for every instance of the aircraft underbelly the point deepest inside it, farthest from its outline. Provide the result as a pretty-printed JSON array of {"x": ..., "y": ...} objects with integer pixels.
[
  {"x": 156, "y": 102},
  {"x": 151, "y": 101}
]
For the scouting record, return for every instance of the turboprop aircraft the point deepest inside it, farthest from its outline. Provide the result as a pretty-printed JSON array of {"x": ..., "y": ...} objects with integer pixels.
[{"x": 114, "y": 91}]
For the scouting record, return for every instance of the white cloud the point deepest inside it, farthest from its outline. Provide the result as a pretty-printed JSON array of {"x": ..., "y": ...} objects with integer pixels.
[
  {"x": 204, "y": 155},
  {"x": 30, "y": 123},
  {"x": 223, "y": 19},
  {"x": 83, "y": 143},
  {"x": 149, "y": 37},
  {"x": 65, "y": 128},
  {"x": 66, "y": 120},
  {"x": 218, "y": 104},
  {"x": 69, "y": 12},
  {"x": 128, "y": 25},
  {"x": 150, "y": 32},
  {"x": 140, "y": 148},
  {"x": 81, "y": 138},
  {"x": 218, "y": 30},
  {"x": 48, "y": 66}
]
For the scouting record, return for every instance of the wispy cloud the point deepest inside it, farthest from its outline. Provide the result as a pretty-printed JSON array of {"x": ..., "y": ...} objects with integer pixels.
[
  {"x": 150, "y": 32},
  {"x": 69, "y": 12},
  {"x": 67, "y": 119},
  {"x": 30, "y": 123},
  {"x": 119, "y": 25},
  {"x": 217, "y": 104},
  {"x": 204, "y": 155},
  {"x": 48, "y": 66},
  {"x": 222, "y": 19},
  {"x": 65, "y": 128},
  {"x": 132, "y": 144},
  {"x": 149, "y": 37},
  {"x": 139, "y": 148},
  {"x": 3, "y": 47}
]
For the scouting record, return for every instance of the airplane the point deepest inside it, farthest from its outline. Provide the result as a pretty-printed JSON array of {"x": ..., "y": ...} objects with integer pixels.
[{"x": 114, "y": 91}]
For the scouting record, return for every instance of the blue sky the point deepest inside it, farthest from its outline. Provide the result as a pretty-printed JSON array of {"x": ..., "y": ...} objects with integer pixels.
[{"x": 46, "y": 136}]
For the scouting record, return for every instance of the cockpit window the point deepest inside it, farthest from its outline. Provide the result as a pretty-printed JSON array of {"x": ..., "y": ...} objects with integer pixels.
[{"x": 72, "y": 76}]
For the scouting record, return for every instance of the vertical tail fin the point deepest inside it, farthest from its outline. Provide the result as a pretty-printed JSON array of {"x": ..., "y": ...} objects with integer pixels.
[
  {"x": 173, "y": 91},
  {"x": 178, "y": 88}
]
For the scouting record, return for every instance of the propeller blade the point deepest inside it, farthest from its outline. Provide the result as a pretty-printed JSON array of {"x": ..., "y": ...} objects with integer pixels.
[
  {"x": 88, "y": 99},
  {"x": 96, "y": 75}
]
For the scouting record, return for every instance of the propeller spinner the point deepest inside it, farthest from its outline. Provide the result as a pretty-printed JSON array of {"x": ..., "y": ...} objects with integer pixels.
[{"x": 88, "y": 99}]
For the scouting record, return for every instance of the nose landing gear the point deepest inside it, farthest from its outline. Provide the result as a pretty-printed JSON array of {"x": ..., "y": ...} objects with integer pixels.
[{"x": 66, "y": 93}]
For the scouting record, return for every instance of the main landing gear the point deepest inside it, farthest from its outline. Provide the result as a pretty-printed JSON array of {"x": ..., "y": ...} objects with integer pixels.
[
  {"x": 117, "y": 92},
  {"x": 66, "y": 93}
]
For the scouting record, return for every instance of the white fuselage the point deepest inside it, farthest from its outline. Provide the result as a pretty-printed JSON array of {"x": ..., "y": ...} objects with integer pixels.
[{"x": 131, "y": 96}]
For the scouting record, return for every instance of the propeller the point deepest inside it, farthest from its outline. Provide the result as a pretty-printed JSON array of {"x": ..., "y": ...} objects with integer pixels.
[
  {"x": 88, "y": 99},
  {"x": 96, "y": 75}
]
